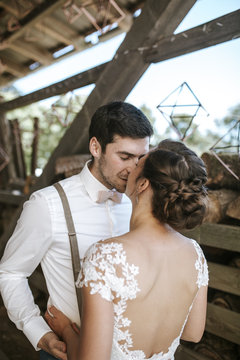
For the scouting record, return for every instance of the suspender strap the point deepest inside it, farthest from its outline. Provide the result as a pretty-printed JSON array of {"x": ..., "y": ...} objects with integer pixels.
[{"x": 76, "y": 264}]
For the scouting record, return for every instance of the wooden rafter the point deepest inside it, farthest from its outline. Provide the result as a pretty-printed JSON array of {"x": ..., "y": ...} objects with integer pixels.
[
  {"x": 52, "y": 32},
  {"x": 75, "y": 82},
  {"x": 32, "y": 51},
  {"x": 222, "y": 29},
  {"x": 39, "y": 13},
  {"x": 12, "y": 67}
]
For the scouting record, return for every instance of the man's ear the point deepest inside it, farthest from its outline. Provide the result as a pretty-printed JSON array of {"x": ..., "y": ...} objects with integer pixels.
[
  {"x": 142, "y": 185},
  {"x": 94, "y": 147}
]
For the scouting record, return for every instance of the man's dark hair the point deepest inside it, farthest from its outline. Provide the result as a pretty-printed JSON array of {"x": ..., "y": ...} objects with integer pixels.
[{"x": 119, "y": 118}]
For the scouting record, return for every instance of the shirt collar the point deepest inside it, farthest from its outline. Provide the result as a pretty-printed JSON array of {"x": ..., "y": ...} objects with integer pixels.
[{"x": 92, "y": 185}]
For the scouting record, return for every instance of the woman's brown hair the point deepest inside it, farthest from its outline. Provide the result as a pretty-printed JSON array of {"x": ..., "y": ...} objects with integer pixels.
[{"x": 177, "y": 177}]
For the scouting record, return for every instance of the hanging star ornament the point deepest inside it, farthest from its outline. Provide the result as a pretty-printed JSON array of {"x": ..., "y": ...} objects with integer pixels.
[{"x": 181, "y": 108}]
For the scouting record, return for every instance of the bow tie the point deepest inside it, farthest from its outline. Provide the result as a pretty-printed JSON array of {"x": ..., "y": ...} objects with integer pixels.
[{"x": 109, "y": 194}]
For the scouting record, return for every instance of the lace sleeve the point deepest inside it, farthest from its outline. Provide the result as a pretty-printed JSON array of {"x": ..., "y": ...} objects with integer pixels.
[
  {"x": 100, "y": 270},
  {"x": 201, "y": 266}
]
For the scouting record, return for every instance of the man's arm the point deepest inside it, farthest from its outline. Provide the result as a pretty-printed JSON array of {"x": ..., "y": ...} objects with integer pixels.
[
  {"x": 94, "y": 340},
  {"x": 24, "y": 251}
]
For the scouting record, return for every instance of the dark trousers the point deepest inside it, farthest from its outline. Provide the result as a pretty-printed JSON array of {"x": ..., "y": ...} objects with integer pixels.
[{"x": 46, "y": 356}]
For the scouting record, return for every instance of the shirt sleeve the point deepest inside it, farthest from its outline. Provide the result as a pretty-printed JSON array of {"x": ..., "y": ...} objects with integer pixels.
[{"x": 24, "y": 251}]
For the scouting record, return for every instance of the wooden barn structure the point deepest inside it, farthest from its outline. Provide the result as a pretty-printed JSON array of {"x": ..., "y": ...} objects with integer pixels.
[{"x": 38, "y": 33}]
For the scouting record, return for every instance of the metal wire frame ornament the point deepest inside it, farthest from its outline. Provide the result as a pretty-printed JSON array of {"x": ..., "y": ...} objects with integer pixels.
[
  {"x": 215, "y": 148},
  {"x": 72, "y": 12},
  {"x": 64, "y": 112},
  {"x": 172, "y": 107}
]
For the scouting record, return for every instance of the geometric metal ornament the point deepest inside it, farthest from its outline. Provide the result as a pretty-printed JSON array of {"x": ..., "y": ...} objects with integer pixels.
[
  {"x": 182, "y": 107},
  {"x": 228, "y": 143},
  {"x": 105, "y": 9}
]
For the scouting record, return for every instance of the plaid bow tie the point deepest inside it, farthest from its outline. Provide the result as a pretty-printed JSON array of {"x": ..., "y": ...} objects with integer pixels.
[{"x": 109, "y": 194}]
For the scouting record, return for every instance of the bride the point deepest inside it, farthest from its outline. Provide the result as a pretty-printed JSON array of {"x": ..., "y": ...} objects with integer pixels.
[{"x": 146, "y": 290}]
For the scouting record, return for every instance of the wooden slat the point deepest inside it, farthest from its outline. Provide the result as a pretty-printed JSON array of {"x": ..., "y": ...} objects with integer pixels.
[
  {"x": 75, "y": 82},
  {"x": 7, "y": 197},
  {"x": 54, "y": 33},
  {"x": 13, "y": 67},
  {"x": 32, "y": 51},
  {"x": 217, "y": 235},
  {"x": 220, "y": 236},
  {"x": 184, "y": 353},
  {"x": 224, "y": 323},
  {"x": 224, "y": 278},
  {"x": 39, "y": 13},
  {"x": 214, "y": 32}
]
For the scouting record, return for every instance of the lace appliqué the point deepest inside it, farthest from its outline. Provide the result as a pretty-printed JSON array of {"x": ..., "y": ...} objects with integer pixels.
[
  {"x": 201, "y": 266},
  {"x": 106, "y": 271}
]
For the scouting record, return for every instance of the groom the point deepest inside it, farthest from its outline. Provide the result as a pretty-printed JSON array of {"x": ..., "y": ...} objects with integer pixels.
[{"x": 119, "y": 136}]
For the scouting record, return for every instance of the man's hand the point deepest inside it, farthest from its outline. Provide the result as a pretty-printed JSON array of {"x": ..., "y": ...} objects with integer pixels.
[{"x": 51, "y": 344}]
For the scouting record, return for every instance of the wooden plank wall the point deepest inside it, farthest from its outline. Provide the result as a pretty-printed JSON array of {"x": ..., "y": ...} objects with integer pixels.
[{"x": 221, "y": 322}]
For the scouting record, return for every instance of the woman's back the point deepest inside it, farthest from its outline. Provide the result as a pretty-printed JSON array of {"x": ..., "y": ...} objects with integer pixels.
[{"x": 152, "y": 284}]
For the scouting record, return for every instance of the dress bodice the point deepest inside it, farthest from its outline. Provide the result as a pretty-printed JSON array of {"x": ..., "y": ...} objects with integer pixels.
[{"x": 106, "y": 271}]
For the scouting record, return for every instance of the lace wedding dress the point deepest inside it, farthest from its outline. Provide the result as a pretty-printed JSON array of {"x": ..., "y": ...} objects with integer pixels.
[{"x": 100, "y": 274}]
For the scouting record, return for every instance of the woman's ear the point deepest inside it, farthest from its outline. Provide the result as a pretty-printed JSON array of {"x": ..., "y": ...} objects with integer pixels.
[
  {"x": 142, "y": 185},
  {"x": 94, "y": 147}
]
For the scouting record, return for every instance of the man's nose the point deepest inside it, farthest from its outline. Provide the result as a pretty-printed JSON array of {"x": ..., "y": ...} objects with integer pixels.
[{"x": 132, "y": 165}]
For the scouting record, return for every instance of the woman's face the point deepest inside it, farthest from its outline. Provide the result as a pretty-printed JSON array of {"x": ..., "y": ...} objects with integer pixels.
[{"x": 133, "y": 177}]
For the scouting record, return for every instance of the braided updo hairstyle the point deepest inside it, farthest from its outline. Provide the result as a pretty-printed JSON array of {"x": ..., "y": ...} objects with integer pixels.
[{"x": 177, "y": 177}]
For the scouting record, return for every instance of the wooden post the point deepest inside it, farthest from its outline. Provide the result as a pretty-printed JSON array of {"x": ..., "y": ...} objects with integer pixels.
[
  {"x": 34, "y": 145},
  {"x": 9, "y": 172}
]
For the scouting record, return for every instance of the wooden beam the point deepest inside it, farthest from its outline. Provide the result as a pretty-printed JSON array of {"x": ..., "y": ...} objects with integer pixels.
[
  {"x": 224, "y": 323},
  {"x": 12, "y": 67},
  {"x": 38, "y": 13},
  {"x": 224, "y": 278},
  {"x": 7, "y": 197},
  {"x": 54, "y": 33},
  {"x": 220, "y": 236},
  {"x": 32, "y": 51},
  {"x": 75, "y": 82},
  {"x": 216, "y": 235},
  {"x": 184, "y": 353},
  {"x": 214, "y": 32}
]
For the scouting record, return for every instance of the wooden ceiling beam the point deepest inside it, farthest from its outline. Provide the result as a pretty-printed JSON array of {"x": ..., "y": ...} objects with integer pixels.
[
  {"x": 37, "y": 14},
  {"x": 10, "y": 6},
  {"x": 214, "y": 32},
  {"x": 12, "y": 67},
  {"x": 32, "y": 51},
  {"x": 53, "y": 33},
  {"x": 75, "y": 82}
]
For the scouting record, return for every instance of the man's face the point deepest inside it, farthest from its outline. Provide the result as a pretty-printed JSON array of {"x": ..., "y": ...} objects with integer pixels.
[{"x": 120, "y": 158}]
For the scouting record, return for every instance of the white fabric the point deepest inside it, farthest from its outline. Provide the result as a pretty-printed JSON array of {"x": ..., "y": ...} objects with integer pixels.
[
  {"x": 41, "y": 236},
  {"x": 106, "y": 271}
]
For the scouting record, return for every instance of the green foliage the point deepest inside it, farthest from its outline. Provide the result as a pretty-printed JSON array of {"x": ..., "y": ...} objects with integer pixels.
[{"x": 53, "y": 122}]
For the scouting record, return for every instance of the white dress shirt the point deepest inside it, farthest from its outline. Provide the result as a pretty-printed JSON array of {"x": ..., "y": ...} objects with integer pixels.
[{"x": 41, "y": 237}]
